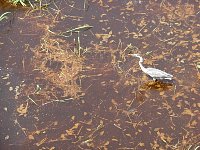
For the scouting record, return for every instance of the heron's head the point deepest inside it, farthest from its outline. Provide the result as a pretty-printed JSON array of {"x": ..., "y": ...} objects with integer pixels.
[
  {"x": 135, "y": 55},
  {"x": 138, "y": 56}
]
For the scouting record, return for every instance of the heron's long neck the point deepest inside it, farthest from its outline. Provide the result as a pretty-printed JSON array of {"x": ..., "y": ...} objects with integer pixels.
[{"x": 141, "y": 66}]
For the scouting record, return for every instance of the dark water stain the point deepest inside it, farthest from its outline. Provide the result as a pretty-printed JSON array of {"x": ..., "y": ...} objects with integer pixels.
[{"x": 121, "y": 108}]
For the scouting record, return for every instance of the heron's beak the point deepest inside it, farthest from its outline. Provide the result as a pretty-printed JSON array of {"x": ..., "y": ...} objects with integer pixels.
[{"x": 130, "y": 53}]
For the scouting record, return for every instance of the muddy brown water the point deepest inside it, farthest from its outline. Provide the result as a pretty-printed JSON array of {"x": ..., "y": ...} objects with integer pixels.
[{"x": 106, "y": 101}]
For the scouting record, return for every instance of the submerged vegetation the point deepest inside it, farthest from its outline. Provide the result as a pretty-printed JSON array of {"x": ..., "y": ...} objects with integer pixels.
[
  {"x": 67, "y": 79},
  {"x": 22, "y": 2},
  {"x": 59, "y": 66}
]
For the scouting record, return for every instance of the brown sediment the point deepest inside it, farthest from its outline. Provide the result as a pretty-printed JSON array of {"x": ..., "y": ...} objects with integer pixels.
[{"x": 6, "y": 5}]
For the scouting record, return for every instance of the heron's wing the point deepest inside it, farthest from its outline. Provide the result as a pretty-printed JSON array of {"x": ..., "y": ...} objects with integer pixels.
[{"x": 156, "y": 73}]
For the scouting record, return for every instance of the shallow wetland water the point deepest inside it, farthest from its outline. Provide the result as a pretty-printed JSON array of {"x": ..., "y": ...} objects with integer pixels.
[{"x": 67, "y": 81}]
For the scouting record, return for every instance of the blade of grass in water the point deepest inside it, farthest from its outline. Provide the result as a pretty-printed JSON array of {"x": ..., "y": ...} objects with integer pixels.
[{"x": 4, "y": 16}]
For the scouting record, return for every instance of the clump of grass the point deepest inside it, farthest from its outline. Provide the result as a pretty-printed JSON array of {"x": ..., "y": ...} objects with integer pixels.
[
  {"x": 56, "y": 72},
  {"x": 59, "y": 64},
  {"x": 19, "y": 2},
  {"x": 24, "y": 3},
  {"x": 59, "y": 67}
]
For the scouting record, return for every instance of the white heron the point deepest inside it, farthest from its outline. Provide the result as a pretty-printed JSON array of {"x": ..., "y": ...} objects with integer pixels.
[{"x": 153, "y": 72}]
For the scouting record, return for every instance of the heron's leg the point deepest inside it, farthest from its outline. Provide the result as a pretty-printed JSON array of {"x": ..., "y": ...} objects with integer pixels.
[{"x": 155, "y": 79}]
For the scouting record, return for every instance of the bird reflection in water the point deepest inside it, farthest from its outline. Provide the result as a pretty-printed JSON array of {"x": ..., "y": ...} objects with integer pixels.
[{"x": 158, "y": 85}]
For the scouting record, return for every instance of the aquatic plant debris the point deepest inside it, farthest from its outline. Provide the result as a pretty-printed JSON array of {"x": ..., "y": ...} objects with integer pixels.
[{"x": 79, "y": 29}]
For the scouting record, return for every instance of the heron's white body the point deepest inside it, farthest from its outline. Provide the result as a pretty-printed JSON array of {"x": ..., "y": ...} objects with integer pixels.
[{"x": 153, "y": 72}]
